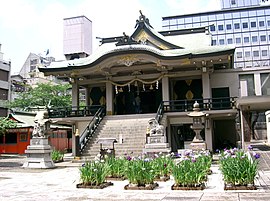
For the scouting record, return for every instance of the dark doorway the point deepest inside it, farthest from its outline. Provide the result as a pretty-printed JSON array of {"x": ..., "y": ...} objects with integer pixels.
[
  {"x": 137, "y": 100},
  {"x": 221, "y": 98}
]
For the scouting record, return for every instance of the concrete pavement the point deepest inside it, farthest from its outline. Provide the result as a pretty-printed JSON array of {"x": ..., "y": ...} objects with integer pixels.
[{"x": 21, "y": 184}]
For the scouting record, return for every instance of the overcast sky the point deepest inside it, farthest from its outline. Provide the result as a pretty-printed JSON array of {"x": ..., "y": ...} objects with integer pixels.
[{"x": 37, "y": 25}]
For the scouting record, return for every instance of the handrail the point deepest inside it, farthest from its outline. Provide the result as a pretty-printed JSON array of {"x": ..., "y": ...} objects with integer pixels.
[
  {"x": 160, "y": 112},
  {"x": 72, "y": 111},
  {"x": 89, "y": 131},
  {"x": 205, "y": 104}
]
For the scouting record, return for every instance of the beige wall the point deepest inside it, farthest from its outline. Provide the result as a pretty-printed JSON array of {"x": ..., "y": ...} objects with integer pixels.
[{"x": 226, "y": 79}]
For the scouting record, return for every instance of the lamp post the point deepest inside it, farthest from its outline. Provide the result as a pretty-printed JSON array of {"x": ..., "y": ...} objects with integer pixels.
[{"x": 197, "y": 126}]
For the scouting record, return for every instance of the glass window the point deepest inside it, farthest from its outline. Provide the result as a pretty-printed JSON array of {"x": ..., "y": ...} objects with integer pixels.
[
  {"x": 253, "y": 24},
  {"x": 221, "y": 41},
  {"x": 247, "y": 54},
  {"x": 244, "y": 14},
  {"x": 260, "y": 12},
  {"x": 228, "y": 16},
  {"x": 233, "y": 2},
  {"x": 188, "y": 20},
  {"x": 268, "y": 23},
  {"x": 237, "y": 26},
  {"x": 239, "y": 55},
  {"x": 265, "y": 83},
  {"x": 180, "y": 21},
  {"x": 204, "y": 18},
  {"x": 245, "y": 25},
  {"x": 261, "y": 23},
  {"x": 252, "y": 13},
  {"x": 212, "y": 28},
  {"x": 196, "y": 19},
  {"x": 212, "y": 17},
  {"x": 250, "y": 83},
  {"x": 230, "y": 41},
  {"x": 254, "y": 39},
  {"x": 256, "y": 53},
  {"x": 236, "y": 15},
  {"x": 228, "y": 26},
  {"x": 238, "y": 40},
  {"x": 214, "y": 42},
  {"x": 220, "y": 17},
  {"x": 264, "y": 53},
  {"x": 263, "y": 38},
  {"x": 220, "y": 27},
  {"x": 246, "y": 39}
]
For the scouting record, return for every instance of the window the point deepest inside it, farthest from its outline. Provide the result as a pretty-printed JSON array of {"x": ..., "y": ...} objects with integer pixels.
[
  {"x": 229, "y": 40},
  {"x": 268, "y": 23},
  {"x": 264, "y": 53},
  {"x": 256, "y": 53},
  {"x": 212, "y": 28},
  {"x": 228, "y": 26},
  {"x": 233, "y": 2},
  {"x": 263, "y": 38},
  {"x": 237, "y": 26},
  {"x": 254, "y": 39},
  {"x": 253, "y": 24},
  {"x": 220, "y": 27},
  {"x": 261, "y": 23},
  {"x": 246, "y": 39},
  {"x": 238, "y": 40},
  {"x": 221, "y": 41},
  {"x": 245, "y": 25},
  {"x": 247, "y": 54},
  {"x": 214, "y": 42},
  {"x": 239, "y": 55}
]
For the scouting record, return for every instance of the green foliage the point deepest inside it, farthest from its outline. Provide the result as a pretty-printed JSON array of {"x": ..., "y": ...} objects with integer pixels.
[
  {"x": 238, "y": 167},
  {"x": 57, "y": 155},
  {"x": 43, "y": 95},
  {"x": 6, "y": 123},
  {"x": 140, "y": 171},
  {"x": 192, "y": 169},
  {"x": 162, "y": 164},
  {"x": 93, "y": 173},
  {"x": 116, "y": 166}
]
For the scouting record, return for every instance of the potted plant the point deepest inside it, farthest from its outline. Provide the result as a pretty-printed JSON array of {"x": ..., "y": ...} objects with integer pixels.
[
  {"x": 140, "y": 174},
  {"x": 57, "y": 156},
  {"x": 239, "y": 169},
  {"x": 162, "y": 164},
  {"x": 93, "y": 175},
  {"x": 190, "y": 171}
]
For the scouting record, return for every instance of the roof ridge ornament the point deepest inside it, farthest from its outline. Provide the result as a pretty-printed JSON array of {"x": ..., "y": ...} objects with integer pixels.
[
  {"x": 143, "y": 19},
  {"x": 126, "y": 40}
]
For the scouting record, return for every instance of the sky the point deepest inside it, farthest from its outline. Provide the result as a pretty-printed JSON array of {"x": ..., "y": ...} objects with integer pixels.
[{"x": 35, "y": 26}]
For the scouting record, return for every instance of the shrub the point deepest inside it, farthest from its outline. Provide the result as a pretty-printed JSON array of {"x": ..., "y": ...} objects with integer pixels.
[{"x": 57, "y": 155}]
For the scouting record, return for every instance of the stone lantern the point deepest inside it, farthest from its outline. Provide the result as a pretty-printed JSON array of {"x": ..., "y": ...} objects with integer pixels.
[{"x": 197, "y": 126}]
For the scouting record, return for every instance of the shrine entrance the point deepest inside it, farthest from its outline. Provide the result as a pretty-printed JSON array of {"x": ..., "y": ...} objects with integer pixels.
[{"x": 137, "y": 99}]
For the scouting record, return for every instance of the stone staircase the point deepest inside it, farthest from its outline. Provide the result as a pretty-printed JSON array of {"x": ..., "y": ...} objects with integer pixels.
[{"x": 129, "y": 131}]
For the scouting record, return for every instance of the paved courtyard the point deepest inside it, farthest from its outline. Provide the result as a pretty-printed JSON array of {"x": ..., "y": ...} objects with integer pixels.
[{"x": 21, "y": 184}]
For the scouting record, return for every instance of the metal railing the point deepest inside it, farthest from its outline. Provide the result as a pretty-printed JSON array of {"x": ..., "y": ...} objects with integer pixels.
[
  {"x": 89, "y": 131},
  {"x": 73, "y": 111},
  {"x": 187, "y": 105}
]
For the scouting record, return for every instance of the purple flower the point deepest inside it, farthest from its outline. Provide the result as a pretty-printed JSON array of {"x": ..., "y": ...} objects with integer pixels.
[
  {"x": 83, "y": 164},
  {"x": 193, "y": 160},
  {"x": 128, "y": 158},
  {"x": 217, "y": 150},
  {"x": 250, "y": 147},
  {"x": 165, "y": 165},
  {"x": 256, "y": 155}
]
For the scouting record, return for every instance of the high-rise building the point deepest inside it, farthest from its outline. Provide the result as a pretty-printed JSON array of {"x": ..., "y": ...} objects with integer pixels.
[
  {"x": 77, "y": 37},
  {"x": 4, "y": 84},
  {"x": 244, "y": 23}
]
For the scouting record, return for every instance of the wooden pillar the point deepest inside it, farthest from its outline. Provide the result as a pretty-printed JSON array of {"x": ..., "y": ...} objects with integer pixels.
[{"x": 109, "y": 98}]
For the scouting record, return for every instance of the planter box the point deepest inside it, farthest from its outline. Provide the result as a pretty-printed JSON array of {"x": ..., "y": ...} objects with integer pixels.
[
  {"x": 101, "y": 186},
  {"x": 116, "y": 178},
  {"x": 146, "y": 187},
  {"x": 187, "y": 188},
  {"x": 239, "y": 187}
]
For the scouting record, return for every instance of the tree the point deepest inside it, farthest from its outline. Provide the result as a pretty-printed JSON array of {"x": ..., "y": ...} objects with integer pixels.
[
  {"x": 6, "y": 123},
  {"x": 43, "y": 95}
]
